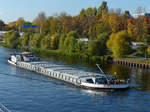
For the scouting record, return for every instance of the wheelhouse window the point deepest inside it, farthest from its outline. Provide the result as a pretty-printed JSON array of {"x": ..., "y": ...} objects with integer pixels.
[
  {"x": 90, "y": 81},
  {"x": 101, "y": 80}
]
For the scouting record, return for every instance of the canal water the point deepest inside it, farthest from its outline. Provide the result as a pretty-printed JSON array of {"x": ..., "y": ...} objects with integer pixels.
[{"x": 26, "y": 91}]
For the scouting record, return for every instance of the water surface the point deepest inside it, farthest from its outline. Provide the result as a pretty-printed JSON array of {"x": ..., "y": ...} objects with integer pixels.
[{"x": 26, "y": 91}]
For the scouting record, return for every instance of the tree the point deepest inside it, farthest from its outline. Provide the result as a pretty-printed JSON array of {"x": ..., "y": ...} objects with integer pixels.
[
  {"x": 91, "y": 48},
  {"x": 82, "y": 12},
  {"x": 103, "y": 8},
  {"x": 146, "y": 30},
  {"x": 139, "y": 26},
  {"x": 101, "y": 43},
  {"x": 142, "y": 49},
  {"x": 19, "y": 23},
  {"x": 70, "y": 42},
  {"x": 102, "y": 24},
  {"x": 127, "y": 14},
  {"x": 46, "y": 42},
  {"x": 25, "y": 39},
  {"x": 115, "y": 22},
  {"x": 2, "y": 25},
  {"x": 12, "y": 39},
  {"x": 132, "y": 29},
  {"x": 121, "y": 44},
  {"x": 35, "y": 41},
  {"x": 146, "y": 39},
  {"x": 73, "y": 34},
  {"x": 55, "y": 41},
  {"x": 98, "y": 47},
  {"x": 65, "y": 23},
  {"x": 81, "y": 47},
  {"x": 46, "y": 26},
  {"x": 55, "y": 26},
  {"x": 90, "y": 12},
  {"x": 148, "y": 51},
  {"x": 11, "y": 26},
  {"x": 61, "y": 42},
  {"x": 110, "y": 42},
  {"x": 39, "y": 21}
]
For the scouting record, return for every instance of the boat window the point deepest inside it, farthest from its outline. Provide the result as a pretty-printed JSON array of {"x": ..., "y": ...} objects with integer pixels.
[
  {"x": 101, "y": 80},
  {"x": 89, "y": 81},
  {"x": 111, "y": 78}
]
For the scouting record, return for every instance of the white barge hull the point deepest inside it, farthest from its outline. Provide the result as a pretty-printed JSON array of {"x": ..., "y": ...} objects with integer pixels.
[
  {"x": 75, "y": 80},
  {"x": 104, "y": 86}
]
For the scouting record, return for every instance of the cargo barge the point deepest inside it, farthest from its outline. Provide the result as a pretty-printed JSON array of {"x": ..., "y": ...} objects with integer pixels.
[{"x": 90, "y": 81}]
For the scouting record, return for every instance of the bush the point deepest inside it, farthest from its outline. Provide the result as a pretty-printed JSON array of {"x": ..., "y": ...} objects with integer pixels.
[{"x": 12, "y": 39}]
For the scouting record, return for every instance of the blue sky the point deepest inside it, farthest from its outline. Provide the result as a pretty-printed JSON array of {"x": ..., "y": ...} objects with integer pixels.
[{"x": 11, "y": 10}]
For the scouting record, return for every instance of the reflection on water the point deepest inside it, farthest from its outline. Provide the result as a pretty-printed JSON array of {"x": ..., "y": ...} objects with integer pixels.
[
  {"x": 95, "y": 93},
  {"x": 13, "y": 70},
  {"x": 120, "y": 71},
  {"x": 142, "y": 78}
]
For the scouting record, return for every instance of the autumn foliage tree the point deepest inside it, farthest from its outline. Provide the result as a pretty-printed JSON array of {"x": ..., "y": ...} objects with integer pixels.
[
  {"x": 19, "y": 24},
  {"x": 148, "y": 51},
  {"x": 104, "y": 29},
  {"x": 12, "y": 39},
  {"x": 119, "y": 43},
  {"x": 46, "y": 42},
  {"x": 25, "y": 39}
]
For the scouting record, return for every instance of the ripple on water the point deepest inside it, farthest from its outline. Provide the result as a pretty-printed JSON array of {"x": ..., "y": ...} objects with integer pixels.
[{"x": 26, "y": 91}]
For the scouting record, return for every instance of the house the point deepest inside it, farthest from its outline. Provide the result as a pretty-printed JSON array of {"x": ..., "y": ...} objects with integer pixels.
[
  {"x": 135, "y": 45},
  {"x": 83, "y": 40},
  {"x": 136, "y": 15}
]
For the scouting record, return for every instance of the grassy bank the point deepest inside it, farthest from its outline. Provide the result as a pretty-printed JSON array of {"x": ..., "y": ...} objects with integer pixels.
[
  {"x": 3, "y": 44},
  {"x": 71, "y": 57}
]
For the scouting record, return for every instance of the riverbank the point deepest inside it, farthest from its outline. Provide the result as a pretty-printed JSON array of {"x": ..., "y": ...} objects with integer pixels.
[
  {"x": 69, "y": 57},
  {"x": 3, "y": 44}
]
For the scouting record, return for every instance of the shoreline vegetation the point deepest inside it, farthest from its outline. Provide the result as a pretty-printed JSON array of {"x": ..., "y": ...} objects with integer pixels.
[
  {"x": 81, "y": 58},
  {"x": 95, "y": 35}
]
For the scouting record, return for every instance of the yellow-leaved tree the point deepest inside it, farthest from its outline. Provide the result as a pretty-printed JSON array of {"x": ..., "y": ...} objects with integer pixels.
[
  {"x": 119, "y": 44},
  {"x": 148, "y": 51}
]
